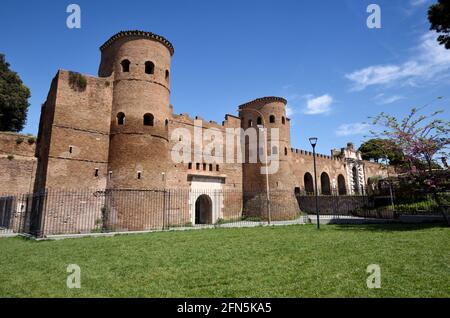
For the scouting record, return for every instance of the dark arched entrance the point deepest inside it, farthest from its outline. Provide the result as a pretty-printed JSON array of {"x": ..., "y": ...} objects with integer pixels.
[
  {"x": 309, "y": 186},
  {"x": 341, "y": 185},
  {"x": 325, "y": 183},
  {"x": 355, "y": 181},
  {"x": 203, "y": 210}
]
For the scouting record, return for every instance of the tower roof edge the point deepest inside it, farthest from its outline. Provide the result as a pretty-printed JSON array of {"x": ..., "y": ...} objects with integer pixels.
[
  {"x": 267, "y": 99},
  {"x": 141, "y": 34}
]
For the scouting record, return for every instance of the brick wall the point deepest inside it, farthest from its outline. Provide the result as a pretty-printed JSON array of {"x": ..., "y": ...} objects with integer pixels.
[{"x": 17, "y": 163}]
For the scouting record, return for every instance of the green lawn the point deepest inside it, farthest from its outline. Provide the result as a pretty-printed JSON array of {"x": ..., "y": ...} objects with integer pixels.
[{"x": 291, "y": 261}]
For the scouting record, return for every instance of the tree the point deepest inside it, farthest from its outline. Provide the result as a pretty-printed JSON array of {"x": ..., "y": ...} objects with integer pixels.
[
  {"x": 377, "y": 148},
  {"x": 439, "y": 17},
  {"x": 419, "y": 137},
  {"x": 13, "y": 99}
]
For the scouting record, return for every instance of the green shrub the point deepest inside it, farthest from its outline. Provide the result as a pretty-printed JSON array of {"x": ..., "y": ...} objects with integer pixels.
[
  {"x": 251, "y": 218},
  {"x": 428, "y": 206},
  {"x": 77, "y": 81},
  {"x": 31, "y": 140},
  {"x": 10, "y": 157},
  {"x": 19, "y": 140},
  {"x": 444, "y": 198},
  {"x": 220, "y": 221},
  {"x": 188, "y": 224}
]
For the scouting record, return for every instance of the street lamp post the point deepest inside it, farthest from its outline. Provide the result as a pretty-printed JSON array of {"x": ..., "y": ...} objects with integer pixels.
[
  {"x": 313, "y": 142},
  {"x": 391, "y": 194},
  {"x": 267, "y": 162},
  {"x": 163, "y": 176}
]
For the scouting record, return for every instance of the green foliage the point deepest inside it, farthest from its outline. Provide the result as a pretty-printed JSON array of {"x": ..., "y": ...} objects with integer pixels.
[
  {"x": 419, "y": 137},
  {"x": 220, "y": 221},
  {"x": 77, "y": 81},
  {"x": 188, "y": 224},
  {"x": 225, "y": 221},
  {"x": 251, "y": 218},
  {"x": 428, "y": 206},
  {"x": 13, "y": 99},
  {"x": 10, "y": 157},
  {"x": 19, "y": 140},
  {"x": 439, "y": 18},
  {"x": 376, "y": 149},
  {"x": 104, "y": 218},
  {"x": 31, "y": 140}
]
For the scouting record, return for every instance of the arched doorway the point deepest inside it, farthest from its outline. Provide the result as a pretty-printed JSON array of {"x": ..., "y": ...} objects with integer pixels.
[
  {"x": 325, "y": 183},
  {"x": 342, "y": 190},
  {"x": 309, "y": 186},
  {"x": 355, "y": 181},
  {"x": 203, "y": 210}
]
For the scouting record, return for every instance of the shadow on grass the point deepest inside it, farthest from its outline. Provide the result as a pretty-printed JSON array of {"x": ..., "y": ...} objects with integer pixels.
[{"x": 392, "y": 227}]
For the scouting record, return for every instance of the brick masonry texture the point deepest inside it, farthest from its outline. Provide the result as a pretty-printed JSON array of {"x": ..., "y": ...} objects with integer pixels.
[
  {"x": 17, "y": 163},
  {"x": 82, "y": 144}
]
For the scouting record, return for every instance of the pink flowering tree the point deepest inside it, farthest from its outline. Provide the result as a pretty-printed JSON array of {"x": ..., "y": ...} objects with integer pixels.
[{"x": 419, "y": 137}]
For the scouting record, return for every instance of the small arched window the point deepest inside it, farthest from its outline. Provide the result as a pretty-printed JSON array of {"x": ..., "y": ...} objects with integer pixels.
[
  {"x": 250, "y": 123},
  {"x": 272, "y": 119},
  {"x": 285, "y": 151},
  {"x": 167, "y": 75},
  {"x": 120, "y": 118},
  {"x": 166, "y": 122},
  {"x": 274, "y": 150},
  {"x": 148, "y": 120},
  {"x": 125, "y": 66},
  {"x": 259, "y": 121},
  {"x": 283, "y": 120},
  {"x": 149, "y": 67}
]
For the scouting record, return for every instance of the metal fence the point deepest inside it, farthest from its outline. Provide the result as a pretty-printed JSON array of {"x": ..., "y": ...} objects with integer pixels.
[
  {"x": 382, "y": 207},
  {"x": 92, "y": 211},
  {"x": 56, "y": 212}
]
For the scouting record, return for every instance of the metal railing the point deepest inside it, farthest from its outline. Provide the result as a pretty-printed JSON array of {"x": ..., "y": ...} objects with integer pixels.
[
  {"x": 56, "y": 212},
  {"x": 371, "y": 206}
]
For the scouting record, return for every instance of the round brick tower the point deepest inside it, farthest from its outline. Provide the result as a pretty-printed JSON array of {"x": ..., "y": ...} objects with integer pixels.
[
  {"x": 139, "y": 64},
  {"x": 270, "y": 113}
]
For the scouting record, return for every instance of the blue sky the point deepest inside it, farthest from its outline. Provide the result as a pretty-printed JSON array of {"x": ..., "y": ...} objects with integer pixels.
[{"x": 320, "y": 55}]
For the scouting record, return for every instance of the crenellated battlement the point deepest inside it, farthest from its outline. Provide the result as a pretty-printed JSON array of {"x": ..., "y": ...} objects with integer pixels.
[
  {"x": 229, "y": 121},
  {"x": 301, "y": 152}
]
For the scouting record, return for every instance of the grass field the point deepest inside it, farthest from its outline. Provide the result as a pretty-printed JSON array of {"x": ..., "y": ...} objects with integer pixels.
[{"x": 291, "y": 261}]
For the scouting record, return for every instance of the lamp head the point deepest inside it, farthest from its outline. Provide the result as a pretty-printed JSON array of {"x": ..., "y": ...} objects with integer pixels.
[{"x": 313, "y": 141}]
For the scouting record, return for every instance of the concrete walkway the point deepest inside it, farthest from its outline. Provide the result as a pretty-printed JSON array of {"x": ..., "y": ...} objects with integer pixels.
[{"x": 348, "y": 219}]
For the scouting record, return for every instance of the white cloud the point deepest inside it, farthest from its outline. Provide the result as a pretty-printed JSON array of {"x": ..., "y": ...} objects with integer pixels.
[
  {"x": 289, "y": 110},
  {"x": 382, "y": 99},
  {"x": 416, "y": 3},
  {"x": 431, "y": 62},
  {"x": 318, "y": 105},
  {"x": 352, "y": 129}
]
